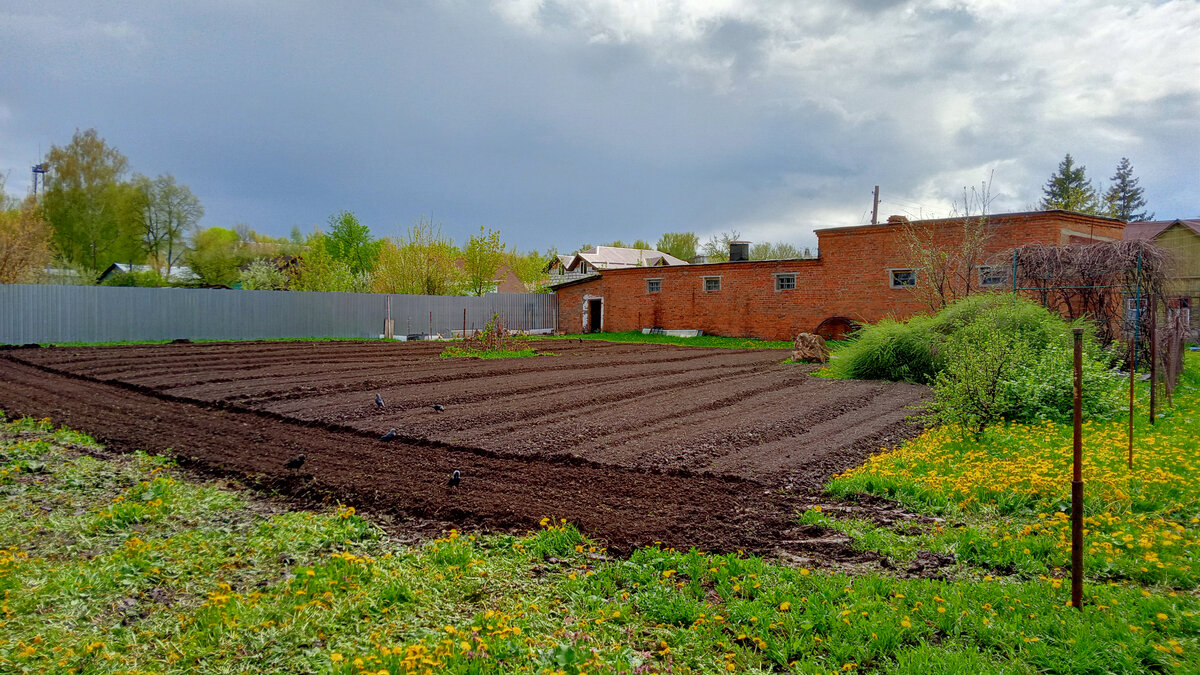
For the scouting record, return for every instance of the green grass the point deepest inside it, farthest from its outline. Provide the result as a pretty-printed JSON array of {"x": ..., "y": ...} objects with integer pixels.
[
  {"x": 1009, "y": 490},
  {"x": 123, "y": 565},
  {"x": 636, "y": 336},
  {"x": 461, "y": 351}
]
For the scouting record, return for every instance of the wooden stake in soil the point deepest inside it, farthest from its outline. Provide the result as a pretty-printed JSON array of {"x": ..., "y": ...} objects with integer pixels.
[{"x": 1077, "y": 481}]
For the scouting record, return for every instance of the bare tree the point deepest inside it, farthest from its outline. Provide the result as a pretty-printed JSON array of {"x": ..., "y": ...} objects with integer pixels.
[
  {"x": 1093, "y": 280},
  {"x": 946, "y": 256},
  {"x": 169, "y": 211}
]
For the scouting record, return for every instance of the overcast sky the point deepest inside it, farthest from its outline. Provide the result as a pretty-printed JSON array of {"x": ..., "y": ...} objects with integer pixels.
[{"x": 569, "y": 122}]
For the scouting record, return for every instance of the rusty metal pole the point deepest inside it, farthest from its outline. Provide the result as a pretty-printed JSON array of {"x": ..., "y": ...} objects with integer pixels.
[
  {"x": 1132, "y": 370},
  {"x": 1153, "y": 361},
  {"x": 1077, "y": 481},
  {"x": 464, "y": 335},
  {"x": 1137, "y": 329}
]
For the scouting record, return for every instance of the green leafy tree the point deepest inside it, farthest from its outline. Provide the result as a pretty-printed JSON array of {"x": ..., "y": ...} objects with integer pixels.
[
  {"x": 1125, "y": 199},
  {"x": 482, "y": 257},
  {"x": 319, "y": 270},
  {"x": 530, "y": 267},
  {"x": 1070, "y": 189},
  {"x": 642, "y": 244},
  {"x": 94, "y": 212},
  {"x": 168, "y": 211},
  {"x": 421, "y": 263},
  {"x": 768, "y": 251},
  {"x": 215, "y": 256},
  {"x": 682, "y": 245},
  {"x": 351, "y": 242}
]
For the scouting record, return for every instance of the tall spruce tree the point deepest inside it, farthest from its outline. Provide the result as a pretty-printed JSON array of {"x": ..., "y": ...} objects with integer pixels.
[
  {"x": 1125, "y": 197},
  {"x": 1070, "y": 189}
]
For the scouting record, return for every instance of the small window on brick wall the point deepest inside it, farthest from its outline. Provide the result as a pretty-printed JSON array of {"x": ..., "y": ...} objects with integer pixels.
[
  {"x": 902, "y": 278},
  {"x": 653, "y": 285},
  {"x": 785, "y": 282},
  {"x": 712, "y": 284},
  {"x": 993, "y": 275}
]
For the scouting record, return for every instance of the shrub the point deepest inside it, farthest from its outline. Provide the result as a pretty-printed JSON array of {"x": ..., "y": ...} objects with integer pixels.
[
  {"x": 989, "y": 357},
  {"x": 149, "y": 278},
  {"x": 889, "y": 350},
  {"x": 1016, "y": 363},
  {"x": 263, "y": 275}
]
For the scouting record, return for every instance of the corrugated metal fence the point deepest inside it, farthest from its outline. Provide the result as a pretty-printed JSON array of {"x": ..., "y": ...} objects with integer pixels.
[{"x": 52, "y": 313}]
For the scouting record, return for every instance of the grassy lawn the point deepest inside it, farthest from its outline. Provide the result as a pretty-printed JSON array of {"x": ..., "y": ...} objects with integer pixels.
[
  {"x": 701, "y": 341},
  {"x": 122, "y": 565}
]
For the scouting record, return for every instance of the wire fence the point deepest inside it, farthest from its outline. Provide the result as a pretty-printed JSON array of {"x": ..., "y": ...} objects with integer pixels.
[{"x": 56, "y": 314}]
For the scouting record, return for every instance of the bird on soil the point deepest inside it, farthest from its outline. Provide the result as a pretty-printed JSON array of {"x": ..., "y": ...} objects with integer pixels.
[
  {"x": 296, "y": 462},
  {"x": 454, "y": 479},
  {"x": 390, "y": 435},
  {"x": 438, "y": 407},
  {"x": 378, "y": 401}
]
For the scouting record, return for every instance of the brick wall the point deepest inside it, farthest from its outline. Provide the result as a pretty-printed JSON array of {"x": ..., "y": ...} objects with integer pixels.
[{"x": 850, "y": 279}]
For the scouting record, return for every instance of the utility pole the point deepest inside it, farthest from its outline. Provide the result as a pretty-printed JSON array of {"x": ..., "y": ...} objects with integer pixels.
[{"x": 875, "y": 208}]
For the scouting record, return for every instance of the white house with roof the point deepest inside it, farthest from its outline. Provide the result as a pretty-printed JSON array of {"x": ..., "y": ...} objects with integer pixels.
[{"x": 588, "y": 262}]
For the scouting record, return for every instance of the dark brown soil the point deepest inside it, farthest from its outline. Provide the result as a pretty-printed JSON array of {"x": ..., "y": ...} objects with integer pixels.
[{"x": 636, "y": 444}]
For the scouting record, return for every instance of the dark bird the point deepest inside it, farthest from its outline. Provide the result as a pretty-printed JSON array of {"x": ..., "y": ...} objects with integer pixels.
[
  {"x": 378, "y": 401},
  {"x": 455, "y": 478},
  {"x": 296, "y": 462},
  {"x": 390, "y": 435},
  {"x": 438, "y": 407}
]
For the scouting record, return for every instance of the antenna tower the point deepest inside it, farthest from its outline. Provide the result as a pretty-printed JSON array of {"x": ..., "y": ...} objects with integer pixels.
[{"x": 39, "y": 175}]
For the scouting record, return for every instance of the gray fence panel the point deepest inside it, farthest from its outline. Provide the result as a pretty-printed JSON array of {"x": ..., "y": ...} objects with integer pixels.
[{"x": 51, "y": 313}]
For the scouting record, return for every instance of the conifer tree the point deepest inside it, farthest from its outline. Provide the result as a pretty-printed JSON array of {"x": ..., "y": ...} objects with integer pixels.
[
  {"x": 1125, "y": 196},
  {"x": 1070, "y": 189}
]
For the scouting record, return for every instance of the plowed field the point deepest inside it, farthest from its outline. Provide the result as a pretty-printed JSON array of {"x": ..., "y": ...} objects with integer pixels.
[{"x": 635, "y": 443}]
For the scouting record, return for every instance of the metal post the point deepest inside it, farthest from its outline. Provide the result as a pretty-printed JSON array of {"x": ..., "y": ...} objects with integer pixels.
[
  {"x": 1137, "y": 327},
  {"x": 1132, "y": 369},
  {"x": 1014, "y": 276},
  {"x": 1153, "y": 360},
  {"x": 1077, "y": 481},
  {"x": 464, "y": 335},
  {"x": 431, "y": 325}
]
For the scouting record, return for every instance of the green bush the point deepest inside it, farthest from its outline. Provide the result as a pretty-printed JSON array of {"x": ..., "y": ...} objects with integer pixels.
[
  {"x": 889, "y": 350},
  {"x": 989, "y": 357},
  {"x": 149, "y": 278}
]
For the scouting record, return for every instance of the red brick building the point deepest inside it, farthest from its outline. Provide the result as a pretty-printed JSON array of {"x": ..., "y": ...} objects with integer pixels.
[{"x": 862, "y": 275}]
